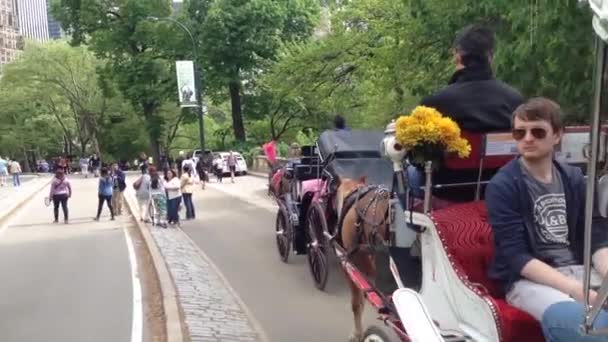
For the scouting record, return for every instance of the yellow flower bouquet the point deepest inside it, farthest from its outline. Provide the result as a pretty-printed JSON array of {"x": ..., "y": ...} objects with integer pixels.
[{"x": 427, "y": 135}]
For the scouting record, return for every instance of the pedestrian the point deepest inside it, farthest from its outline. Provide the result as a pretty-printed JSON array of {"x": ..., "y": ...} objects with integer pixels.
[
  {"x": 60, "y": 192},
  {"x": 84, "y": 166},
  {"x": 15, "y": 170},
  {"x": 159, "y": 196},
  {"x": 143, "y": 163},
  {"x": 105, "y": 192},
  {"x": 218, "y": 168},
  {"x": 187, "y": 188},
  {"x": 3, "y": 171},
  {"x": 174, "y": 197},
  {"x": 142, "y": 193},
  {"x": 231, "y": 165},
  {"x": 202, "y": 172},
  {"x": 118, "y": 186},
  {"x": 95, "y": 165}
]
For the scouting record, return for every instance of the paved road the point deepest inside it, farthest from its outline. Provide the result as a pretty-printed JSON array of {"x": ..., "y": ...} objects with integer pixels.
[
  {"x": 239, "y": 238},
  {"x": 64, "y": 282}
]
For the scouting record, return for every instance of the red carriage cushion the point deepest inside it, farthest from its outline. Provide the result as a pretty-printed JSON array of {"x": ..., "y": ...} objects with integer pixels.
[{"x": 467, "y": 239}]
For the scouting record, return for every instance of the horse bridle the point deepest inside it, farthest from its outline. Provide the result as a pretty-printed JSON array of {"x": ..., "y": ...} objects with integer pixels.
[{"x": 380, "y": 193}]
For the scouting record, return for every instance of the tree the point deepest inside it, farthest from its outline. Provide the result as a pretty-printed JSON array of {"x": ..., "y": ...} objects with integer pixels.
[
  {"x": 136, "y": 50},
  {"x": 240, "y": 38},
  {"x": 66, "y": 82}
]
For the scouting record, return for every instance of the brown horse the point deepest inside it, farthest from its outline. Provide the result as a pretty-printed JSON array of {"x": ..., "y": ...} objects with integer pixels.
[{"x": 365, "y": 225}]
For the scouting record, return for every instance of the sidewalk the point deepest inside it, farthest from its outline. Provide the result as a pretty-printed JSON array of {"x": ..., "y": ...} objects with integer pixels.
[
  {"x": 64, "y": 282},
  {"x": 12, "y": 197},
  {"x": 211, "y": 308}
]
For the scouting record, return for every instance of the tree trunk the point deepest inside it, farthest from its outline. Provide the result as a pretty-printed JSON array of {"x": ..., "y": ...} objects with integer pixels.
[
  {"x": 237, "y": 115},
  {"x": 155, "y": 148}
]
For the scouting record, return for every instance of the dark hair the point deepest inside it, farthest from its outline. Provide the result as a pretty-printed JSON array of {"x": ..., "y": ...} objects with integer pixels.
[
  {"x": 187, "y": 169},
  {"x": 475, "y": 44},
  {"x": 339, "y": 122},
  {"x": 104, "y": 171},
  {"x": 153, "y": 177},
  {"x": 540, "y": 108}
]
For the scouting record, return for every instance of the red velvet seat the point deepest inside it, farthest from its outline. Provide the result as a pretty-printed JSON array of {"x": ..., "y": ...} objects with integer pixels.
[{"x": 467, "y": 239}]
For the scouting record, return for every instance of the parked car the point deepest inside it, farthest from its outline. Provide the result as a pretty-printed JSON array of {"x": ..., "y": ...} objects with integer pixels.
[{"x": 241, "y": 164}]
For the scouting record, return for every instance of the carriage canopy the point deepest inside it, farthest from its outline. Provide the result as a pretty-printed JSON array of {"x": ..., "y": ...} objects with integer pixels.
[
  {"x": 350, "y": 144},
  {"x": 355, "y": 153}
]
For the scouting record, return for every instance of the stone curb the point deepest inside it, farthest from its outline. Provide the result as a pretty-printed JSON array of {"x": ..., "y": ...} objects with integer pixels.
[
  {"x": 4, "y": 215},
  {"x": 254, "y": 322},
  {"x": 173, "y": 321},
  {"x": 257, "y": 174}
]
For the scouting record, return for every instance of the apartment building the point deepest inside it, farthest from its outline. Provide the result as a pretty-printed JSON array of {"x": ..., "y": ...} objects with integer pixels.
[{"x": 9, "y": 31}]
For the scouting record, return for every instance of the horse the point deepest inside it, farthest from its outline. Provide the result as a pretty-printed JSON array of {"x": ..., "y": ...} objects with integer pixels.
[{"x": 364, "y": 226}]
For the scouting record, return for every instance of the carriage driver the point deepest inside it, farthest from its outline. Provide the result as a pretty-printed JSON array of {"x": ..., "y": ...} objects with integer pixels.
[
  {"x": 536, "y": 209},
  {"x": 477, "y": 101}
]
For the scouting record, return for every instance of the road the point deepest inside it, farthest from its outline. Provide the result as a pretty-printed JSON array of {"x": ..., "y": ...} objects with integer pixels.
[
  {"x": 235, "y": 228},
  {"x": 65, "y": 282}
]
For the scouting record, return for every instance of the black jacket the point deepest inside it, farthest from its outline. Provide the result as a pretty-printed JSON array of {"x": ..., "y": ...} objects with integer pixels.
[{"x": 476, "y": 100}]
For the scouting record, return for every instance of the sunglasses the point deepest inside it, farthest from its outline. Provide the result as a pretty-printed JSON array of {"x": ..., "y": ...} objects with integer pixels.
[{"x": 537, "y": 133}]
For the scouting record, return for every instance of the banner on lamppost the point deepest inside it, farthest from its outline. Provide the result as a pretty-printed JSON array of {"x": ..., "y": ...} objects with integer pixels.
[{"x": 186, "y": 88}]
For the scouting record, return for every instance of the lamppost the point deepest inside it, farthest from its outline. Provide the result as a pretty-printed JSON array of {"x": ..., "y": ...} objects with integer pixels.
[{"x": 197, "y": 81}]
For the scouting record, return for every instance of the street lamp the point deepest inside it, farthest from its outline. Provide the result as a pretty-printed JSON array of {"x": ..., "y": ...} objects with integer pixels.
[{"x": 197, "y": 81}]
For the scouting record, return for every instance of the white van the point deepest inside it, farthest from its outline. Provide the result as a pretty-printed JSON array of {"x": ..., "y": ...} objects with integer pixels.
[{"x": 241, "y": 164}]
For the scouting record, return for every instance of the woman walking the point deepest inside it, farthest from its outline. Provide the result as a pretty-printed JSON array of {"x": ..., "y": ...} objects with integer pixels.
[
  {"x": 61, "y": 191},
  {"x": 174, "y": 196},
  {"x": 158, "y": 196},
  {"x": 106, "y": 185},
  {"x": 187, "y": 187}
]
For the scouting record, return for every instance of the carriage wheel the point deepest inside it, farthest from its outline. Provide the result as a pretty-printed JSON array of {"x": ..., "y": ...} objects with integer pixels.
[
  {"x": 317, "y": 245},
  {"x": 283, "y": 235},
  {"x": 377, "y": 334}
]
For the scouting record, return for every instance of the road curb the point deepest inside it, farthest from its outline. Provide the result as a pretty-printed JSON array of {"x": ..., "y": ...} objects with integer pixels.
[
  {"x": 4, "y": 216},
  {"x": 171, "y": 306},
  {"x": 257, "y": 174},
  {"x": 254, "y": 322}
]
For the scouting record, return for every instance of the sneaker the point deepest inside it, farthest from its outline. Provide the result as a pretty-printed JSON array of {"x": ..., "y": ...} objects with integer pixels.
[
  {"x": 65, "y": 221},
  {"x": 55, "y": 221},
  {"x": 95, "y": 218},
  {"x": 112, "y": 219}
]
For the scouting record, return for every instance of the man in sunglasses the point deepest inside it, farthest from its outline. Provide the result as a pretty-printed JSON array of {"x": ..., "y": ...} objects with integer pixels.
[
  {"x": 477, "y": 101},
  {"x": 536, "y": 208}
]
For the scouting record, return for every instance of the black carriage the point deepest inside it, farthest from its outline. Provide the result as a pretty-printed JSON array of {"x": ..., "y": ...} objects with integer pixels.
[{"x": 341, "y": 154}]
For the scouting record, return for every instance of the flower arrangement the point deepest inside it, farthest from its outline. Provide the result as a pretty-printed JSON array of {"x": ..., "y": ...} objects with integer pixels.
[{"x": 426, "y": 134}]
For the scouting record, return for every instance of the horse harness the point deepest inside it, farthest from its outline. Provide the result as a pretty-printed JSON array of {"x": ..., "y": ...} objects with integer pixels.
[{"x": 352, "y": 200}]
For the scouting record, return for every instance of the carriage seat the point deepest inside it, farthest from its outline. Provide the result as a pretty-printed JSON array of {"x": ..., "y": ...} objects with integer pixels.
[
  {"x": 467, "y": 239},
  {"x": 490, "y": 151}
]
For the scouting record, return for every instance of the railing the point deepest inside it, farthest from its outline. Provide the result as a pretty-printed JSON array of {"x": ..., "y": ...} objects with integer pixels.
[{"x": 260, "y": 163}]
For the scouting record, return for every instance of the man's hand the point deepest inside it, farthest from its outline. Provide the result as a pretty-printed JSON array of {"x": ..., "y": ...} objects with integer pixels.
[
  {"x": 578, "y": 293},
  {"x": 600, "y": 261}
]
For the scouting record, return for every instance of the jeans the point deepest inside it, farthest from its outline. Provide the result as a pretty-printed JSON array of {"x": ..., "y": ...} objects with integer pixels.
[
  {"x": 16, "y": 179},
  {"x": 173, "y": 209},
  {"x": 108, "y": 200},
  {"x": 189, "y": 205},
  {"x": 63, "y": 200},
  {"x": 562, "y": 321},
  {"x": 416, "y": 180}
]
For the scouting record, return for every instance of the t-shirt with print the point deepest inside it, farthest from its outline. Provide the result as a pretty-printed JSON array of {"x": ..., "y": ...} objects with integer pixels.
[{"x": 550, "y": 220}]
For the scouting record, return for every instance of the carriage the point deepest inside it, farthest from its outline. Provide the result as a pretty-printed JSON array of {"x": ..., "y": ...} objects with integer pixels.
[{"x": 452, "y": 299}]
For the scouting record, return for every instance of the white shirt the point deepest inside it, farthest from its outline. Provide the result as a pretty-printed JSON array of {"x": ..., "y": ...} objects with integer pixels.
[{"x": 173, "y": 188}]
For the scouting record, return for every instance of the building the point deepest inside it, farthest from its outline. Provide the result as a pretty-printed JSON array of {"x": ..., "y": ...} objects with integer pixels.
[
  {"x": 33, "y": 19},
  {"x": 9, "y": 32},
  {"x": 54, "y": 27}
]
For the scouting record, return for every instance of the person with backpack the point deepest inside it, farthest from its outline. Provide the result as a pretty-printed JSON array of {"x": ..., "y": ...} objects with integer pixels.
[
  {"x": 104, "y": 192},
  {"x": 142, "y": 193},
  {"x": 119, "y": 185},
  {"x": 158, "y": 195},
  {"x": 60, "y": 192}
]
